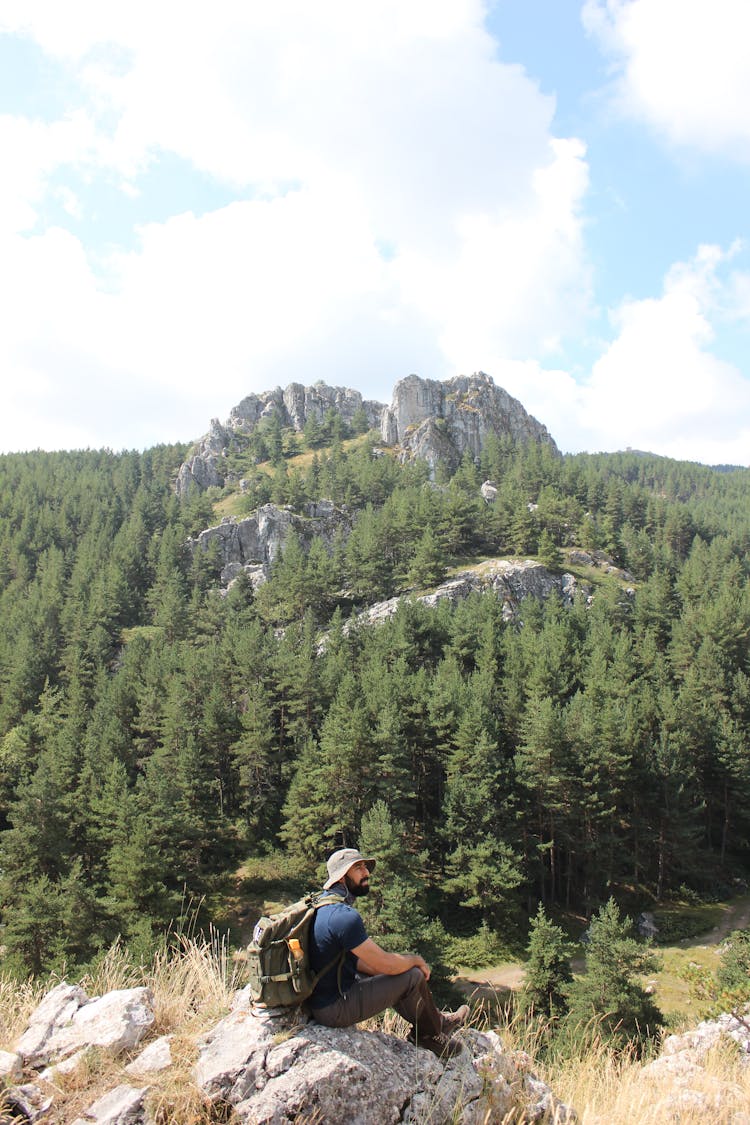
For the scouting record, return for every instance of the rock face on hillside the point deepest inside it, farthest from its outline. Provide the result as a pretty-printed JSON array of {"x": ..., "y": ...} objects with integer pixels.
[
  {"x": 510, "y": 580},
  {"x": 252, "y": 544},
  {"x": 265, "y": 1068},
  {"x": 432, "y": 421},
  {"x": 439, "y": 422},
  {"x": 294, "y": 406}
]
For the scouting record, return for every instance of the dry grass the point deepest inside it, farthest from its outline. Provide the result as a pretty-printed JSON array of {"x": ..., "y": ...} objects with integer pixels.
[
  {"x": 609, "y": 1087},
  {"x": 192, "y": 983},
  {"x": 17, "y": 1002},
  {"x": 607, "y": 1090}
]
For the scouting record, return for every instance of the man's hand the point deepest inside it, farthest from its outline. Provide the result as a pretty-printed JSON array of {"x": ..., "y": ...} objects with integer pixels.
[
  {"x": 420, "y": 963},
  {"x": 371, "y": 959}
]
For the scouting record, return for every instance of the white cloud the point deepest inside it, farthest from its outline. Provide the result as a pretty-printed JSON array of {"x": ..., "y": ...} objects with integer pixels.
[
  {"x": 682, "y": 66},
  {"x": 658, "y": 386},
  {"x": 402, "y": 205}
]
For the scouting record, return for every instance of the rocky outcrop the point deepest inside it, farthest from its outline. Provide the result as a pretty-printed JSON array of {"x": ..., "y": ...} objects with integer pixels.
[
  {"x": 271, "y": 1071},
  {"x": 252, "y": 544},
  {"x": 273, "y": 1067},
  {"x": 296, "y": 404},
  {"x": 439, "y": 422},
  {"x": 60, "y": 1034},
  {"x": 206, "y": 465},
  {"x": 681, "y": 1067},
  {"x": 433, "y": 421},
  {"x": 599, "y": 561},
  {"x": 511, "y": 580}
]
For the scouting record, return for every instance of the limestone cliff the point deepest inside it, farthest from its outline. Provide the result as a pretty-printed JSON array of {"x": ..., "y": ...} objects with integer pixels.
[
  {"x": 294, "y": 406},
  {"x": 442, "y": 421},
  {"x": 252, "y": 544},
  {"x": 429, "y": 420}
]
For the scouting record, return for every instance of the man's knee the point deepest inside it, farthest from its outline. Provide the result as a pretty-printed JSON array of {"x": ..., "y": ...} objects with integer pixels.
[{"x": 416, "y": 977}]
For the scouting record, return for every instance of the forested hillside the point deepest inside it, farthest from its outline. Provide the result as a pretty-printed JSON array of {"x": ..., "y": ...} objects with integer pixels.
[{"x": 157, "y": 732}]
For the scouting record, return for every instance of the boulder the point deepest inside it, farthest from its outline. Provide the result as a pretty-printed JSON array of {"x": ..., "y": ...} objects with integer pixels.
[
  {"x": 54, "y": 1012},
  {"x": 66, "y": 1022},
  {"x": 11, "y": 1066},
  {"x": 116, "y": 1022},
  {"x": 681, "y": 1068},
  {"x": 153, "y": 1058},
  {"x": 24, "y": 1103},
  {"x": 273, "y": 1069},
  {"x": 121, "y": 1106}
]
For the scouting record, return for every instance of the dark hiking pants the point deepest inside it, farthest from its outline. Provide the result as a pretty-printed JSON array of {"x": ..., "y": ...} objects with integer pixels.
[{"x": 409, "y": 993}]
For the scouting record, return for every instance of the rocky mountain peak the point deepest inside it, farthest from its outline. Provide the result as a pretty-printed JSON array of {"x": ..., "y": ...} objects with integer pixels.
[
  {"x": 429, "y": 420},
  {"x": 441, "y": 421}
]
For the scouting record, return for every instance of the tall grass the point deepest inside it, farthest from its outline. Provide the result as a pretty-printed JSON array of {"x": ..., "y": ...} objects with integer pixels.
[
  {"x": 610, "y": 1086},
  {"x": 192, "y": 979},
  {"x": 17, "y": 1002}
]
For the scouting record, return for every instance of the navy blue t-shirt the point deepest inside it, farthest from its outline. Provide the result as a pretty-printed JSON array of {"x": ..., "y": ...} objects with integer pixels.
[{"x": 335, "y": 928}]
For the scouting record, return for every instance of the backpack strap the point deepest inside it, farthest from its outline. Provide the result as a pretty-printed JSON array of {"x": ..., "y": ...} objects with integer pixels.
[{"x": 325, "y": 898}]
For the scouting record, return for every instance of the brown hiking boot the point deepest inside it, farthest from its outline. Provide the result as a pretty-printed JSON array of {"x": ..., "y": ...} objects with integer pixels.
[
  {"x": 441, "y": 1045},
  {"x": 453, "y": 1020}
]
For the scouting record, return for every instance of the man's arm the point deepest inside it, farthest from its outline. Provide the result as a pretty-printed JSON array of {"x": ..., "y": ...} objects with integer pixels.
[{"x": 371, "y": 959}]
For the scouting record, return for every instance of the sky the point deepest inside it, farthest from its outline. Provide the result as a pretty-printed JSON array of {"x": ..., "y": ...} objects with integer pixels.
[{"x": 199, "y": 202}]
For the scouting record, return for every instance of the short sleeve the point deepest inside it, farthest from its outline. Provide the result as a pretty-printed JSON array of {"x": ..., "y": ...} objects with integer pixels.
[{"x": 348, "y": 927}]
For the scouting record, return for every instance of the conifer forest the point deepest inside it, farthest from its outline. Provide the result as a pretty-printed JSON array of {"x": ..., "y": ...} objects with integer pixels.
[{"x": 160, "y": 734}]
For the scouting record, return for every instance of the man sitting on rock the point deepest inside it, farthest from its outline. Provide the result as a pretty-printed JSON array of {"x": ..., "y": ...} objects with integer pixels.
[{"x": 363, "y": 978}]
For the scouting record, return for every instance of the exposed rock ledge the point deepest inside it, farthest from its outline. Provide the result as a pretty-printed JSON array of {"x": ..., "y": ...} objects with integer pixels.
[
  {"x": 251, "y": 544},
  {"x": 511, "y": 580},
  {"x": 269, "y": 1068}
]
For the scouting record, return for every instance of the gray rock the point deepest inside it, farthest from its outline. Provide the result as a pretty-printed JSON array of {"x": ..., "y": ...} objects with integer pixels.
[
  {"x": 511, "y": 581},
  {"x": 437, "y": 422},
  {"x": 65, "y": 1066},
  {"x": 252, "y": 544},
  {"x": 646, "y": 924},
  {"x": 442, "y": 421},
  {"x": 11, "y": 1066},
  {"x": 297, "y": 403},
  {"x": 681, "y": 1068},
  {"x": 231, "y": 1054},
  {"x": 26, "y": 1102},
  {"x": 155, "y": 1057},
  {"x": 55, "y": 1011},
  {"x": 272, "y": 1070},
  {"x": 121, "y": 1106},
  {"x": 206, "y": 465},
  {"x": 116, "y": 1022}
]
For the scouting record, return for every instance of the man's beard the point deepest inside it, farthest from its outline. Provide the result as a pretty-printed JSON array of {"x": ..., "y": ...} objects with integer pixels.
[{"x": 357, "y": 889}]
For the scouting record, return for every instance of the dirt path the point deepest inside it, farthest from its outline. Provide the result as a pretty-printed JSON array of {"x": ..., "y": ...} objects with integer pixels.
[
  {"x": 736, "y": 917},
  {"x": 508, "y": 977},
  {"x": 491, "y": 983}
]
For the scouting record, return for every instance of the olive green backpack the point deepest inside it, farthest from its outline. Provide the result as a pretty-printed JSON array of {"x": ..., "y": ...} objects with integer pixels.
[{"x": 279, "y": 955}]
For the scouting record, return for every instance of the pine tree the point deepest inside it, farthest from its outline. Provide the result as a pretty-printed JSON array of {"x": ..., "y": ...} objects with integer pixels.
[
  {"x": 428, "y": 564},
  {"x": 609, "y": 1000},
  {"x": 548, "y": 974}
]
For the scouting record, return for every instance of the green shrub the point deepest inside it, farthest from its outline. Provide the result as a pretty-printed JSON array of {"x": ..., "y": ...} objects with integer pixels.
[{"x": 478, "y": 950}]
